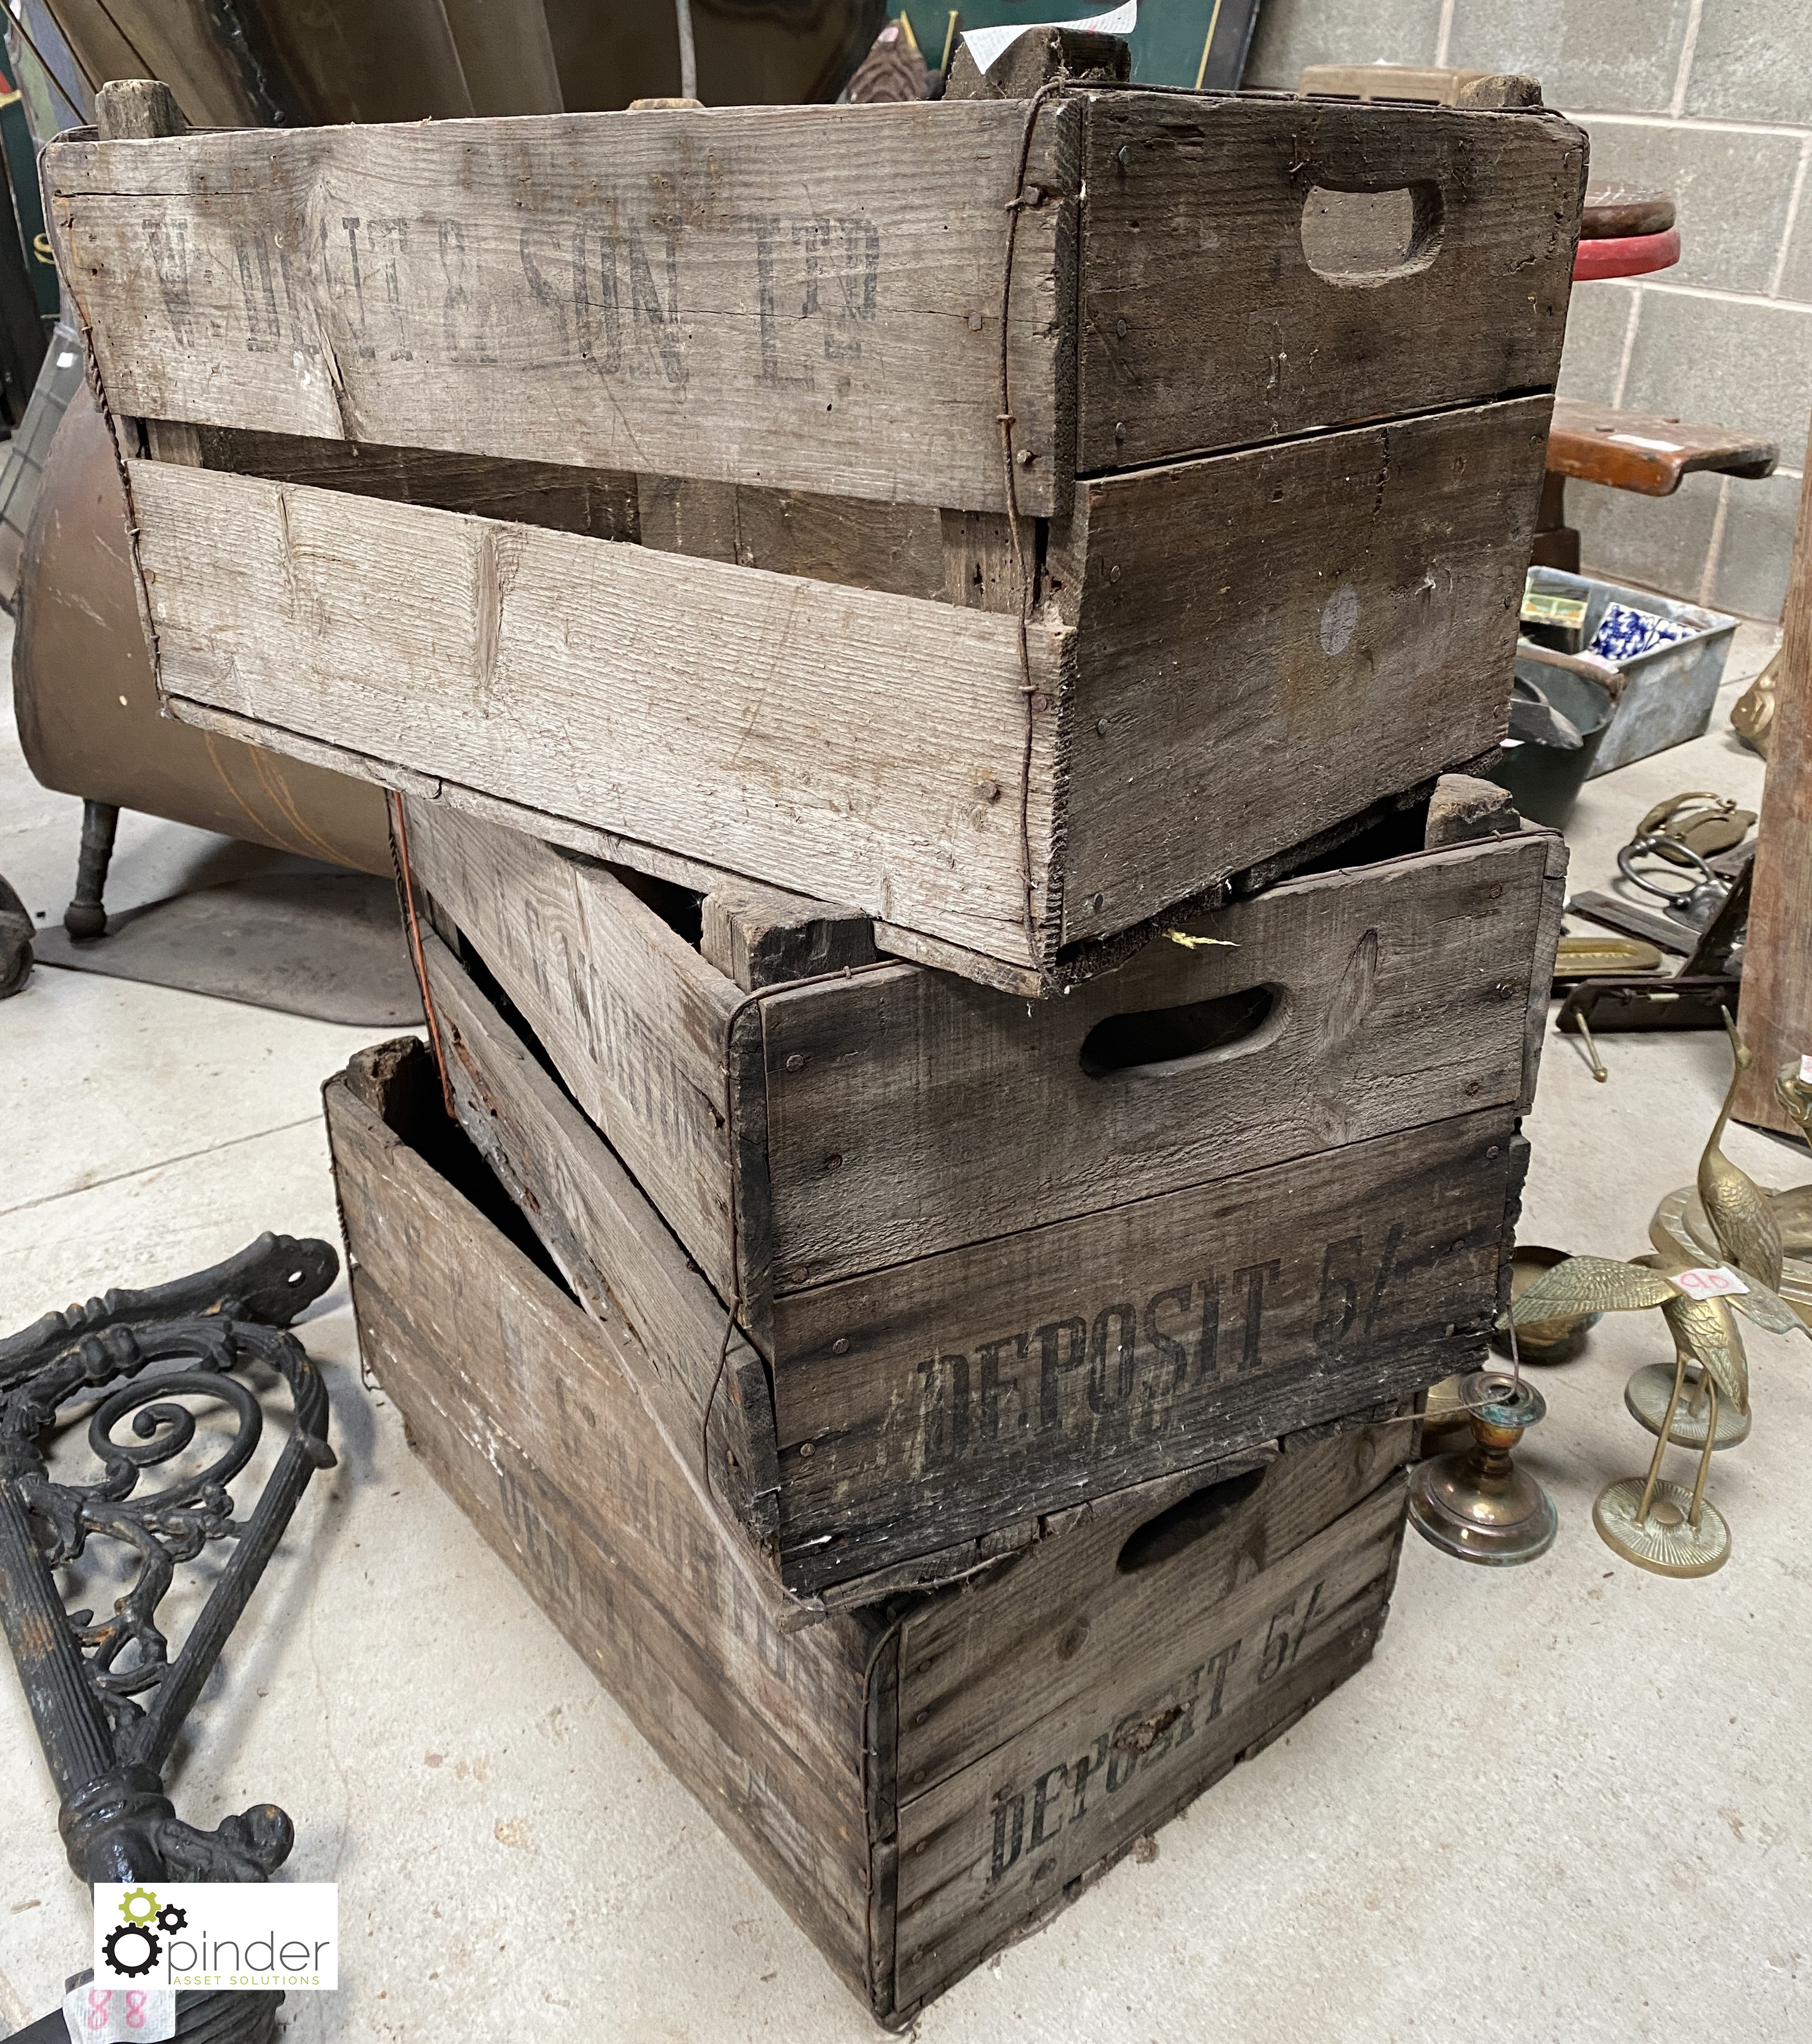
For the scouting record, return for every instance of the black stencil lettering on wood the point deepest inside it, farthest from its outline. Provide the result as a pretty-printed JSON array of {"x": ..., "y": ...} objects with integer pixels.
[
  {"x": 527, "y": 1528},
  {"x": 560, "y": 304},
  {"x": 946, "y": 1408},
  {"x": 1255, "y": 1274},
  {"x": 1285, "y": 1636},
  {"x": 1173, "y": 1352},
  {"x": 349, "y": 224},
  {"x": 1122, "y": 1764},
  {"x": 169, "y": 245},
  {"x": 819, "y": 269},
  {"x": 390, "y": 236},
  {"x": 855, "y": 281},
  {"x": 1113, "y": 1350},
  {"x": 1111, "y": 1760},
  {"x": 1217, "y": 1670},
  {"x": 1061, "y": 1345},
  {"x": 257, "y": 295},
  {"x": 992, "y": 1384},
  {"x": 1207, "y": 1344},
  {"x": 657, "y": 324},
  {"x": 1339, "y": 1289},
  {"x": 1387, "y": 1270},
  {"x": 1090, "y": 1764},
  {"x": 1009, "y": 1834},
  {"x": 600, "y": 347},
  {"x": 767, "y": 234},
  {"x": 1043, "y": 1796},
  {"x": 1130, "y": 1366},
  {"x": 463, "y": 325}
]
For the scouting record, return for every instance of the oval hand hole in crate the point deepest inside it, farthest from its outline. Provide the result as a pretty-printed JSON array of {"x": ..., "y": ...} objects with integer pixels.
[
  {"x": 1187, "y": 1520},
  {"x": 1355, "y": 237},
  {"x": 1151, "y": 1039}
]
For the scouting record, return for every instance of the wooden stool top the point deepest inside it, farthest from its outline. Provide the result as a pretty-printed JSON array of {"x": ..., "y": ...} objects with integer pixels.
[
  {"x": 1646, "y": 453},
  {"x": 1614, "y": 211}
]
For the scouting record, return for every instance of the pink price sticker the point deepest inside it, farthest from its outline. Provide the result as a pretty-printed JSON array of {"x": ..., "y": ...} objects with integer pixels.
[
  {"x": 1717, "y": 1282},
  {"x": 119, "y": 2015}
]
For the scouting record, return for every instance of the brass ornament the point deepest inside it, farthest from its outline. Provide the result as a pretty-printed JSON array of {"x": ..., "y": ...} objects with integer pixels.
[
  {"x": 1649, "y": 1392},
  {"x": 1657, "y": 1526},
  {"x": 1741, "y": 1216},
  {"x": 1544, "y": 1342},
  {"x": 1665, "y": 1539},
  {"x": 1680, "y": 1229},
  {"x": 1446, "y": 1419},
  {"x": 1602, "y": 957},
  {"x": 1646, "y": 1527},
  {"x": 1477, "y": 1505},
  {"x": 1752, "y": 717},
  {"x": 1723, "y": 1245},
  {"x": 1794, "y": 1092},
  {"x": 1725, "y": 1216}
]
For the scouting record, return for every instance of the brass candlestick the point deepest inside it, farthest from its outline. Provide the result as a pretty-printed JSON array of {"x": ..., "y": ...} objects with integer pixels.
[{"x": 1477, "y": 1505}]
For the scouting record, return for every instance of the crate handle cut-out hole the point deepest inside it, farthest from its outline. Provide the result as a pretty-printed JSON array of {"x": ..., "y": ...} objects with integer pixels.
[
  {"x": 1153, "y": 1039},
  {"x": 1371, "y": 237},
  {"x": 1189, "y": 1519}
]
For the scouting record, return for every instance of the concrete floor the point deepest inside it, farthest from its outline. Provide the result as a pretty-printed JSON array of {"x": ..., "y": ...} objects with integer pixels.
[{"x": 1566, "y": 1801}]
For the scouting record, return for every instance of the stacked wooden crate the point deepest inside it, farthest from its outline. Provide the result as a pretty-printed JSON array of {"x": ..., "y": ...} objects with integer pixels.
[{"x": 954, "y": 951}]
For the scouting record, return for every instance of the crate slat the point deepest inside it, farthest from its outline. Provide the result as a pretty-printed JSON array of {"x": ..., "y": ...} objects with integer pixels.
[
  {"x": 1399, "y": 998},
  {"x": 789, "y": 296},
  {"x": 1008, "y": 1832},
  {"x": 707, "y": 1388},
  {"x": 757, "y": 295},
  {"x": 1244, "y": 684},
  {"x": 827, "y": 737},
  {"x": 1204, "y": 322},
  {"x": 1269, "y": 640},
  {"x": 1004, "y": 1380},
  {"x": 928, "y": 1415}
]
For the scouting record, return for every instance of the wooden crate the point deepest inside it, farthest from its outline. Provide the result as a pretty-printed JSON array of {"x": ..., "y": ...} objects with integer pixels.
[
  {"x": 918, "y": 1781},
  {"x": 1239, "y": 1253},
  {"x": 1271, "y": 518}
]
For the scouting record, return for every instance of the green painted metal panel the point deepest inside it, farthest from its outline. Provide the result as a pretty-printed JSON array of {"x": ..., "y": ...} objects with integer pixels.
[{"x": 1168, "y": 46}]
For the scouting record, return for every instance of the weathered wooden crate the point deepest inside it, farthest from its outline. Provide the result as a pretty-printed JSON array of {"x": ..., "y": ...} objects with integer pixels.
[
  {"x": 986, "y": 1257},
  {"x": 1247, "y": 557},
  {"x": 918, "y": 1781}
]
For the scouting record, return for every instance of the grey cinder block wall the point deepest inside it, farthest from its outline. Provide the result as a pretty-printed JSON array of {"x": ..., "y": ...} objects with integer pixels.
[{"x": 1710, "y": 100}]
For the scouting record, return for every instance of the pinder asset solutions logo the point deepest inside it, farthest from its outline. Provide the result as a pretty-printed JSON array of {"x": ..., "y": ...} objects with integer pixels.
[{"x": 217, "y": 1934}]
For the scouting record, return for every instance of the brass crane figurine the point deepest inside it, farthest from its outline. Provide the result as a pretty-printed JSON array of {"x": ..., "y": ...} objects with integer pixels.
[
  {"x": 1795, "y": 1093},
  {"x": 1661, "y": 1526},
  {"x": 1738, "y": 1210},
  {"x": 1726, "y": 1214}
]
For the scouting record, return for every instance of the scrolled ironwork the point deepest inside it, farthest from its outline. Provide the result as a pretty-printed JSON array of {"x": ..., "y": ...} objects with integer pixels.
[{"x": 107, "y": 1697}]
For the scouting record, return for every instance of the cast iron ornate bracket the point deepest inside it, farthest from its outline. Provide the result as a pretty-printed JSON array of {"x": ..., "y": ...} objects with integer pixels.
[{"x": 107, "y": 1699}]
